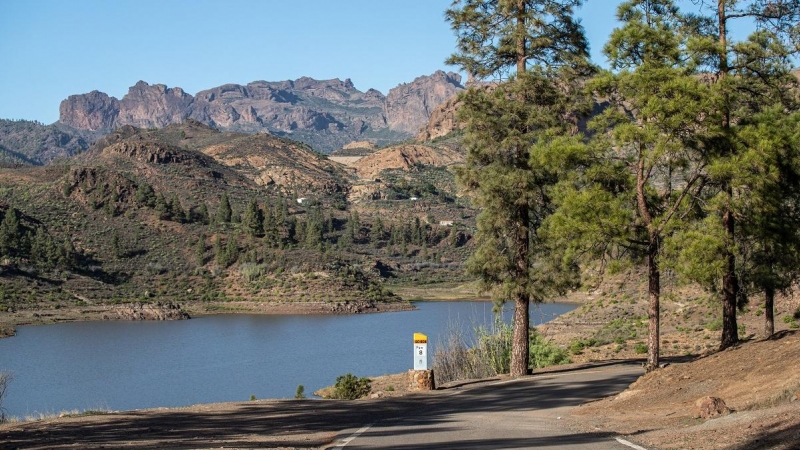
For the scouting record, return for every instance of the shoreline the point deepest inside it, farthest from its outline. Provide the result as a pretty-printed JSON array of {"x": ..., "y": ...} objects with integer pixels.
[{"x": 156, "y": 311}]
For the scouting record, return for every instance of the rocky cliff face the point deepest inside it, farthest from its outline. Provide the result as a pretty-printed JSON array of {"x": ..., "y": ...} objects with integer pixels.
[
  {"x": 409, "y": 106},
  {"x": 325, "y": 114},
  {"x": 443, "y": 121}
]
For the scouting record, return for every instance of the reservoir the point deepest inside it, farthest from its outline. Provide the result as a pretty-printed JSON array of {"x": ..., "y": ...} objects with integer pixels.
[{"x": 133, "y": 365}]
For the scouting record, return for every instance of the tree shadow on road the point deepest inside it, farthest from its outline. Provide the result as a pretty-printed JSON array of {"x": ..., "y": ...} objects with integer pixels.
[{"x": 315, "y": 423}]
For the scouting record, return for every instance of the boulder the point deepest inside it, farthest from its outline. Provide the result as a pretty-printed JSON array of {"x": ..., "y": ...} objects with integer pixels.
[
  {"x": 708, "y": 407},
  {"x": 421, "y": 380}
]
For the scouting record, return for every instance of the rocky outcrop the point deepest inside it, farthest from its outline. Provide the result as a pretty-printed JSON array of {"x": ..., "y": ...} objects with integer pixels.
[
  {"x": 95, "y": 111},
  {"x": 269, "y": 160},
  {"x": 405, "y": 157},
  {"x": 151, "y": 311},
  {"x": 409, "y": 106},
  {"x": 153, "y": 106},
  {"x": 442, "y": 122},
  {"x": 354, "y": 307},
  {"x": 325, "y": 114}
]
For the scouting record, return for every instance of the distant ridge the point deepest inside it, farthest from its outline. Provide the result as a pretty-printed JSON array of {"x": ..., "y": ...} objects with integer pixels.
[{"x": 325, "y": 114}]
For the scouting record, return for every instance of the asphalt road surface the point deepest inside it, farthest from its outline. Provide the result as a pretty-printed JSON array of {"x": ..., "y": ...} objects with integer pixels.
[{"x": 513, "y": 414}]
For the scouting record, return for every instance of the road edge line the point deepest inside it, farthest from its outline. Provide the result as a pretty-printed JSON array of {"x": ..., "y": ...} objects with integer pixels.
[
  {"x": 629, "y": 444},
  {"x": 343, "y": 443}
]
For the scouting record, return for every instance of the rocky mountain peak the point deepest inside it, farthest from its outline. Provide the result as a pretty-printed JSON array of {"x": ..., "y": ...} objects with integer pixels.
[
  {"x": 409, "y": 106},
  {"x": 325, "y": 114}
]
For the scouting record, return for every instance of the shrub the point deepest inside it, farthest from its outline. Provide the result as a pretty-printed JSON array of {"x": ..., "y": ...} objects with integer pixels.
[
  {"x": 640, "y": 348},
  {"x": 545, "y": 353},
  {"x": 5, "y": 378},
  {"x": 491, "y": 353},
  {"x": 251, "y": 272},
  {"x": 577, "y": 346},
  {"x": 350, "y": 387},
  {"x": 300, "y": 393}
]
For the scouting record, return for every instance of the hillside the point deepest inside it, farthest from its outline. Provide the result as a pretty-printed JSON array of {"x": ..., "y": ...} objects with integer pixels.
[
  {"x": 142, "y": 216},
  {"x": 32, "y": 143}
]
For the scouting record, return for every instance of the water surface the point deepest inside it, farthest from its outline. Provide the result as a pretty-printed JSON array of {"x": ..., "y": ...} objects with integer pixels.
[{"x": 132, "y": 365}]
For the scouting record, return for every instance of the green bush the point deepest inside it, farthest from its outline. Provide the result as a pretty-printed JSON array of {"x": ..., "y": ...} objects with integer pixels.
[
  {"x": 350, "y": 387},
  {"x": 640, "y": 348},
  {"x": 494, "y": 347},
  {"x": 251, "y": 272},
  {"x": 577, "y": 346},
  {"x": 301, "y": 392},
  {"x": 544, "y": 353}
]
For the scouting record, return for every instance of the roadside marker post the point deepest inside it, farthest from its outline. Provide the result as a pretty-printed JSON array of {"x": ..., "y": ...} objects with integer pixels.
[
  {"x": 420, "y": 351},
  {"x": 420, "y": 377}
]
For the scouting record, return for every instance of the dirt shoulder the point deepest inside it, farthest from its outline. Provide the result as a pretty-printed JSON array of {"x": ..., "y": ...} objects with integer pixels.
[{"x": 758, "y": 381}]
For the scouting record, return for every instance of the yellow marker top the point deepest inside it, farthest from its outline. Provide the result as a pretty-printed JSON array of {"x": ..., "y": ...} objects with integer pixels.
[{"x": 420, "y": 338}]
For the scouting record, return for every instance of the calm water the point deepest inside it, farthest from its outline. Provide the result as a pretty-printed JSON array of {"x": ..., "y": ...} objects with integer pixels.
[{"x": 131, "y": 365}]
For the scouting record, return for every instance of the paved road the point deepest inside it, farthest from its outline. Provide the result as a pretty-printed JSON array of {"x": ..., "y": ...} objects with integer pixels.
[{"x": 516, "y": 414}]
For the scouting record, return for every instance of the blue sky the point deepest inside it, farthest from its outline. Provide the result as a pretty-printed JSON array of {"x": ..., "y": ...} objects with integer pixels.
[{"x": 51, "y": 49}]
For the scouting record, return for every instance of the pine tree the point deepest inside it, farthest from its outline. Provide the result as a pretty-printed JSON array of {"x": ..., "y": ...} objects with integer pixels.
[
  {"x": 253, "y": 219},
  {"x": 272, "y": 228},
  {"x": 751, "y": 76},
  {"x": 200, "y": 251},
  {"x": 376, "y": 233},
  {"x": 543, "y": 46},
  {"x": 627, "y": 202},
  {"x": 231, "y": 251},
  {"x": 778, "y": 26},
  {"x": 202, "y": 214},
  {"x": 145, "y": 195},
  {"x": 291, "y": 231},
  {"x": 11, "y": 233},
  {"x": 769, "y": 212},
  {"x": 219, "y": 252},
  {"x": 224, "y": 213},
  {"x": 162, "y": 207},
  {"x": 176, "y": 209}
]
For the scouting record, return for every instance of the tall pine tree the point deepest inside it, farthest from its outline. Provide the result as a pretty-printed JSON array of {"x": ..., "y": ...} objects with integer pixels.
[
  {"x": 544, "y": 49},
  {"x": 641, "y": 179}
]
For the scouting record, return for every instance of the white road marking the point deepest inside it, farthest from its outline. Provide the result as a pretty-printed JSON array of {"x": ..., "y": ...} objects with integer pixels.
[
  {"x": 630, "y": 444},
  {"x": 343, "y": 443}
]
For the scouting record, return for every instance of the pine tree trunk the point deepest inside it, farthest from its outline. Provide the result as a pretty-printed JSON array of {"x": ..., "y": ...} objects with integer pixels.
[
  {"x": 654, "y": 291},
  {"x": 730, "y": 284},
  {"x": 730, "y": 288},
  {"x": 520, "y": 354},
  {"x": 769, "y": 313},
  {"x": 519, "y": 346}
]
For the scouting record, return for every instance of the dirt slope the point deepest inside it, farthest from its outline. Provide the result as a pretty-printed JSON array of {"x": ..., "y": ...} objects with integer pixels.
[{"x": 758, "y": 380}]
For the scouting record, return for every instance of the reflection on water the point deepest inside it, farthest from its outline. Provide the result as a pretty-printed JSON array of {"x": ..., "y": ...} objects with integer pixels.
[{"x": 132, "y": 365}]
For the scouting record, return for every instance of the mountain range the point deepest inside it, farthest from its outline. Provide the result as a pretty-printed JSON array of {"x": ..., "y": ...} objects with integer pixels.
[{"x": 326, "y": 114}]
